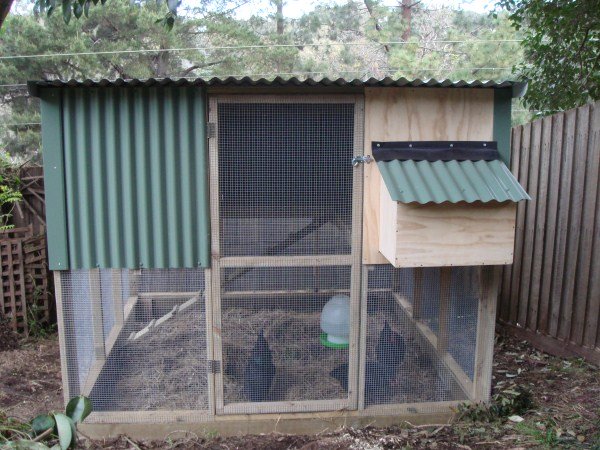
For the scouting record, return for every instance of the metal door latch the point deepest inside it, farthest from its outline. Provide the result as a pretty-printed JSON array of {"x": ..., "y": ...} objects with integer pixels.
[{"x": 361, "y": 159}]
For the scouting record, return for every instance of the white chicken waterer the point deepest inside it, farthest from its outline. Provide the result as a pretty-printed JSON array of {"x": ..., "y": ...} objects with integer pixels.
[{"x": 335, "y": 322}]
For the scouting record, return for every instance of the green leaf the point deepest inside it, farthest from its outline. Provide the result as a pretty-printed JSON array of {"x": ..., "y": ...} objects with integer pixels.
[
  {"x": 64, "y": 429},
  {"x": 42, "y": 423},
  {"x": 77, "y": 10},
  {"x": 86, "y": 9},
  {"x": 79, "y": 408},
  {"x": 169, "y": 22},
  {"x": 66, "y": 10}
]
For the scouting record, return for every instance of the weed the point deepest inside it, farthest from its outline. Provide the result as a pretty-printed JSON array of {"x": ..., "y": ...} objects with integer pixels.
[
  {"x": 544, "y": 433},
  {"x": 38, "y": 329},
  {"x": 508, "y": 402}
]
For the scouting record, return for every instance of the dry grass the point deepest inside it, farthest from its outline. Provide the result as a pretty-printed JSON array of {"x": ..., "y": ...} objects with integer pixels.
[{"x": 164, "y": 369}]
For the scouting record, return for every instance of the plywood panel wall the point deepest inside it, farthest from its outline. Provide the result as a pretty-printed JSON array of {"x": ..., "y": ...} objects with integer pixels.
[
  {"x": 463, "y": 234},
  {"x": 420, "y": 114}
]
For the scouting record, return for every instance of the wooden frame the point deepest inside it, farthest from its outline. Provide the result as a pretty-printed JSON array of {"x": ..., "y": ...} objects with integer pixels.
[
  {"x": 64, "y": 357},
  {"x": 352, "y": 260},
  {"x": 293, "y": 423},
  {"x": 489, "y": 279}
]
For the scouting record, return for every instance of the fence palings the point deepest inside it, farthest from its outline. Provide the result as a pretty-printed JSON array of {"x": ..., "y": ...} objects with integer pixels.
[{"x": 551, "y": 294}]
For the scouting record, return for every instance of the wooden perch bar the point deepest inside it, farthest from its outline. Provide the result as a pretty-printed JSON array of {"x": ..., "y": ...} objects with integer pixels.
[{"x": 155, "y": 323}]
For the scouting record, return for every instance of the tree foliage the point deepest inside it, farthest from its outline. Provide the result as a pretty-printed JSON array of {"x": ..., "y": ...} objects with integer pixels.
[
  {"x": 349, "y": 40},
  {"x": 562, "y": 51}
]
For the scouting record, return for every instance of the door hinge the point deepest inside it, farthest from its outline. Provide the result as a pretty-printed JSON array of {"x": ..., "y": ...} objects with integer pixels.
[
  {"x": 214, "y": 366},
  {"x": 211, "y": 130}
]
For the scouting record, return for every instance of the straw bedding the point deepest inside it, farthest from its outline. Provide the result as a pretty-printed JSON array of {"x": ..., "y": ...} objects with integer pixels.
[{"x": 167, "y": 368}]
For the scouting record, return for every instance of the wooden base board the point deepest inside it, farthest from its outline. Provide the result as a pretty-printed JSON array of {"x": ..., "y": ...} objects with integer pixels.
[{"x": 299, "y": 423}]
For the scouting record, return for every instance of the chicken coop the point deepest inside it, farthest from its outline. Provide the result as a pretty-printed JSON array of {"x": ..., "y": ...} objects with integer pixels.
[{"x": 243, "y": 255}]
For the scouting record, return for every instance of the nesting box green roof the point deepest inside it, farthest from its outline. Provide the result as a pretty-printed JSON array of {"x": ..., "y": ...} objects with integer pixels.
[{"x": 411, "y": 181}]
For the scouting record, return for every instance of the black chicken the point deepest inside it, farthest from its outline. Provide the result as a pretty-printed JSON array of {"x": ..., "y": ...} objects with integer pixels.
[
  {"x": 391, "y": 348},
  {"x": 377, "y": 380},
  {"x": 259, "y": 372}
]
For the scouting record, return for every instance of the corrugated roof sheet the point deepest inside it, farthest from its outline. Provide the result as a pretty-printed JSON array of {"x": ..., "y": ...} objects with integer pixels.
[
  {"x": 450, "y": 181},
  {"x": 517, "y": 87}
]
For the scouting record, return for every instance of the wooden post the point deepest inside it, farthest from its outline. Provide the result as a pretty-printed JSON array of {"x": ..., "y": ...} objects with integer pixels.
[
  {"x": 417, "y": 293},
  {"x": 62, "y": 342},
  {"x": 486, "y": 321},
  {"x": 445, "y": 281}
]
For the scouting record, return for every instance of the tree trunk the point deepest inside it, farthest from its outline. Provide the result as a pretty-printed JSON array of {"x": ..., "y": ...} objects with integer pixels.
[
  {"x": 4, "y": 9},
  {"x": 406, "y": 8},
  {"x": 369, "y": 6},
  {"x": 279, "y": 16}
]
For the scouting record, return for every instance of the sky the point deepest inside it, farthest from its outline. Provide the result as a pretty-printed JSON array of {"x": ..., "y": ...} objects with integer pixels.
[{"x": 295, "y": 8}]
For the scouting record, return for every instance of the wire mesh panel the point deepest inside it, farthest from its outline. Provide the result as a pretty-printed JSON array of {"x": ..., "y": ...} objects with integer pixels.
[
  {"x": 136, "y": 340},
  {"x": 274, "y": 349},
  {"x": 415, "y": 320},
  {"x": 77, "y": 325},
  {"x": 463, "y": 319},
  {"x": 285, "y": 177}
]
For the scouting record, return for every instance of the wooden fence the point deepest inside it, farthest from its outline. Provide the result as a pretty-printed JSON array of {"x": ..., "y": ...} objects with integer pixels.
[
  {"x": 32, "y": 209},
  {"x": 551, "y": 294}
]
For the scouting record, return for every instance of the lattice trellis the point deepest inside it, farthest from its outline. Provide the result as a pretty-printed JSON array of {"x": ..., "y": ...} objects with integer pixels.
[{"x": 24, "y": 287}]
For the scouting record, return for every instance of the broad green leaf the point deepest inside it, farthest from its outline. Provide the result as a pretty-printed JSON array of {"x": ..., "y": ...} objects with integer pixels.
[
  {"x": 77, "y": 10},
  {"x": 169, "y": 22},
  {"x": 66, "y": 10},
  {"x": 41, "y": 423},
  {"x": 64, "y": 431},
  {"x": 79, "y": 408}
]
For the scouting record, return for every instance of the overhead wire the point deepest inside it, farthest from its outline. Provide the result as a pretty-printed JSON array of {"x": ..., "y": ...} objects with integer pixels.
[{"x": 252, "y": 47}]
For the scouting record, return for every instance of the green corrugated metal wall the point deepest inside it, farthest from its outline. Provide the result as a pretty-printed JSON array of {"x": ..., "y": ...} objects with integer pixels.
[{"x": 134, "y": 168}]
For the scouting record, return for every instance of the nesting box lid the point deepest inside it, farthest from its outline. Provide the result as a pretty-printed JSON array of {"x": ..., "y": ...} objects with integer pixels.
[{"x": 438, "y": 172}]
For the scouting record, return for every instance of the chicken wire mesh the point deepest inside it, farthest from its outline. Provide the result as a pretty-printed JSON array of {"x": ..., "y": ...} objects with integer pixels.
[
  {"x": 273, "y": 344},
  {"x": 285, "y": 177},
  {"x": 415, "y": 320},
  {"x": 136, "y": 340}
]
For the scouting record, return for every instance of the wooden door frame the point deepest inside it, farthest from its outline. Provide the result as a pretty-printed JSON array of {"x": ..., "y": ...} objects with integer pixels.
[{"x": 352, "y": 260}]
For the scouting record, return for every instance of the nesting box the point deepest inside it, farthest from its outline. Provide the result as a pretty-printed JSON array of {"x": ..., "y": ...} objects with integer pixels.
[
  {"x": 198, "y": 229},
  {"x": 446, "y": 204}
]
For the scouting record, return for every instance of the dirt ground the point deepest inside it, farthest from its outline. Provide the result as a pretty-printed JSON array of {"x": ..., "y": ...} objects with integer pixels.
[{"x": 564, "y": 410}]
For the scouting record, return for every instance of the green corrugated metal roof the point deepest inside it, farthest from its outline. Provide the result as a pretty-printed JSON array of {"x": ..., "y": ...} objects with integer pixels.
[
  {"x": 516, "y": 88},
  {"x": 450, "y": 181}
]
